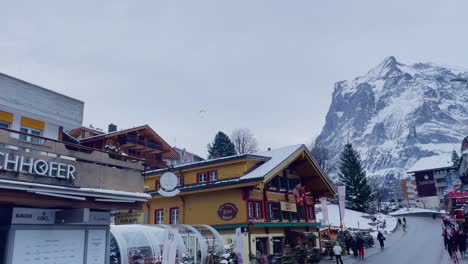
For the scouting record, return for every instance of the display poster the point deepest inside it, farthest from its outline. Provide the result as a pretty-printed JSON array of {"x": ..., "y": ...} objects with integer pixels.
[
  {"x": 48, "y": 246},
  {"x": 170, "y": 246},
  {"x": 342, "y": 201},
  {"x": 288, "y": 207},
  {"x": 96, "y": 247},
  {"x": 324, "y": 206},
  {"x": 239, "y": 245}
]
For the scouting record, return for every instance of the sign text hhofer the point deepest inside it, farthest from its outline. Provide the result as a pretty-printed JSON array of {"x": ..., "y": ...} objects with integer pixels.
[{"x": 39, "y": 167}]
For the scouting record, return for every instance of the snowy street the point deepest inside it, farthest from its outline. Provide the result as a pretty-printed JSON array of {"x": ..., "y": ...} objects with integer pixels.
[{"x": 421, "y": 243}]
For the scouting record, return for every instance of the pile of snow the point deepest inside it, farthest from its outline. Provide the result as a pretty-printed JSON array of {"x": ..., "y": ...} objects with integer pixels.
[
  {"x": 358, "y": 220},
  {"x": 405, "y": 211}
]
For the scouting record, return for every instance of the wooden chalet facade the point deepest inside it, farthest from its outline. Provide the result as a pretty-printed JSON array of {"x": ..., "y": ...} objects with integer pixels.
[
  {"x": 265, "y": 194},
  {"x": 141, "y": 142}
]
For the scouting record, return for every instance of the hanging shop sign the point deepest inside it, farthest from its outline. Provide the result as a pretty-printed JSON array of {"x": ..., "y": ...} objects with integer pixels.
[
  {"x": 129, "y": 218},
  {"x": 288, "y": 207},
  {"x": 425, "y": 184},
  {"x": 168, "y": 183},
  {"x": 18, "y": 163},
  {"x": 227, "y": 211}
]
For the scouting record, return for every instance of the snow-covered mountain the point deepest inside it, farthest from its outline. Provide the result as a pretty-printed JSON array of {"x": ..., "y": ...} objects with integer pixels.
[{"x": 396, "y": 114}]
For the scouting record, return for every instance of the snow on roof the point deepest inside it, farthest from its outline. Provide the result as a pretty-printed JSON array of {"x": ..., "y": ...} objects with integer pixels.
[
  {"x": 433, "y": 162},
  {"x": 277, "y": 156}
]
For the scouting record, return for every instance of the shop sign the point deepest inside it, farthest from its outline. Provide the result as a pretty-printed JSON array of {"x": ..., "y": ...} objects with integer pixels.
[
  {"x": 168, "y": 183},
  {"x": 227, "y": 211},
  {"x": 33, "y": 216},
  {"x": 18, "y": 163},
  {"x": 288, "y": 207},
  {"x": 129, "y": 218},
  {"x": 458, "y": 195},
  {"x": 425, "y": 184}
]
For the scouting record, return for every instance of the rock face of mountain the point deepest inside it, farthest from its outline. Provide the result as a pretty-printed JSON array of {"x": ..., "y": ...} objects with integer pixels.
[{"x": 397, "y": 114}]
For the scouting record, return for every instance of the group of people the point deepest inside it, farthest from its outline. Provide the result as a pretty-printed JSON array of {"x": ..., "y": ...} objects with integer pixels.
[
  {"x": 356, "y": 245},
  {"x": 454, "y": 238}
]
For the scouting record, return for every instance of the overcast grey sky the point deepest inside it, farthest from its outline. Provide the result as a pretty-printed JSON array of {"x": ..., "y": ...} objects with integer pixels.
[{"x": 266, "y": 65}]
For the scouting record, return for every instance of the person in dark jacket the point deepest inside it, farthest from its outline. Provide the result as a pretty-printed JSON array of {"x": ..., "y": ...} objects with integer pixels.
[
  {"x": 360, "y": 247},
  {"x": 461, "y": 239},
  {"x": 453, "y": 243},
  {"x": 446, "y": 240},
  {"x": 381, "y": 238},
  {"x": 348, "y": 243}
]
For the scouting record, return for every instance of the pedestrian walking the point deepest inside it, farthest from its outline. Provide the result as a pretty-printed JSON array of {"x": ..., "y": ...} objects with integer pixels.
[
  {"x": 337, "y": 250},
  {"x": 381, "y": 238},
  {"x": 461, "y": 239},
  {"x": 360, "y": 247},
  {"x": 348, "y": 242},
  {"x": 399, "y": 221},
  {"x": 453, "y": 243},
  {"x": 403, "y": 223},
  {"x": 446, "y": 240}
]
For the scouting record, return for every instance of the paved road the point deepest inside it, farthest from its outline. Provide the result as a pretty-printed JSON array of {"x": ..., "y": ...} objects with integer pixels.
[{"x": 421, "y": 243}]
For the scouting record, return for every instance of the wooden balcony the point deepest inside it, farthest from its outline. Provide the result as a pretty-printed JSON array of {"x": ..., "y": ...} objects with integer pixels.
[{"x": 134, "y": 143}]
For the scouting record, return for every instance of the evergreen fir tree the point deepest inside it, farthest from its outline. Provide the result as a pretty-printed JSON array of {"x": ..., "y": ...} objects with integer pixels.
[
  {"x": 222, "y": 146},
  {"x": 353, "y": 176},
  {"x": 455, "y": 158}
]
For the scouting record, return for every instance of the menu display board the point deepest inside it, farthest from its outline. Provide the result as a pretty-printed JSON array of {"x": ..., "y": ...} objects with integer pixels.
[
  {"x": 49, "y": 246},
  {"x": 96, "y": 248}
]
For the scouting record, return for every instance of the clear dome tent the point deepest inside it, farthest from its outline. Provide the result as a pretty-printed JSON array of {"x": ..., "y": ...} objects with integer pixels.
[{"x": 144, "y": 243}]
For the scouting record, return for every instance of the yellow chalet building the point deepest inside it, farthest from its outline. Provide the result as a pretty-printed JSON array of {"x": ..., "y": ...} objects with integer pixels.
[{"x": 264, "y": 195}]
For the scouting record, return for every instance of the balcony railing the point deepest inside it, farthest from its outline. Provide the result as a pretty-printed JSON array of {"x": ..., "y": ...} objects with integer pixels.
[
  {"x": 127, "y": 140},
  {"x": 38, "y": 143}
]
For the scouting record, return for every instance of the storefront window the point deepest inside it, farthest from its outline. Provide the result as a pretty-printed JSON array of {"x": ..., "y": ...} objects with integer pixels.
[{"x": 277, "y": 245}]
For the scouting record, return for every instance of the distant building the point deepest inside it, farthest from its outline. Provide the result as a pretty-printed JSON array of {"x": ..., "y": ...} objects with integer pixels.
[
  {"x": 185, "y": 157},
  {"x": 410, "y": 193},
  {"x": 434, "y": 176}
]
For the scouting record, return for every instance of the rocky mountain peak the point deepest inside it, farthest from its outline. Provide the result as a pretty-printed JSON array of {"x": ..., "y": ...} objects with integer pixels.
[{"x": 396, "y": 114}]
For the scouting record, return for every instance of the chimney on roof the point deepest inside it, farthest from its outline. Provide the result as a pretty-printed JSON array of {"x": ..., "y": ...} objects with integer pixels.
[{"x": 111, "y": 128}]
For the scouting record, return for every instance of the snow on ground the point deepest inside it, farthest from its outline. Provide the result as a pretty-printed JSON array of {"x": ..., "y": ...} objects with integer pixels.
[
  {"x": 358, "y": 220},
  {"x": 404, "y": 211}
]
